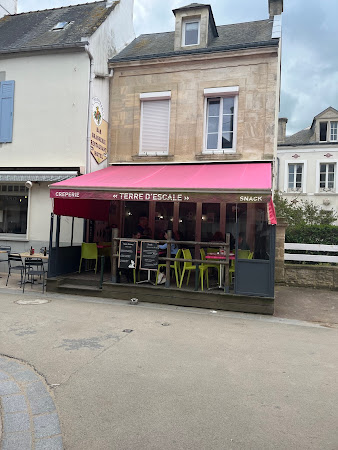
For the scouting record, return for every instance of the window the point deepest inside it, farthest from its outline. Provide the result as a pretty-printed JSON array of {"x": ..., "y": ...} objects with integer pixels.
[
  {"x": 60, "y": 26},
  {"x": 327, "y": 177},
  {"x": 6, "y": 110},
  {"x": 322, "y": 131},
  {"x": 328, "y": 131},
  {"x": 334, "y": 131},
  {"x": 221, "y": 118},
  {"x": 191, "y": 33},
  {"x": 155, "y": 123},
  {"x": 13, "y": 209},
  {"x": 295, "y": 181}
]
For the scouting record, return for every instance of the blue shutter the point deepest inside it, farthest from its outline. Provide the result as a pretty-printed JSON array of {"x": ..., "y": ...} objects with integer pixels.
[{"x": 6, "y": 110}]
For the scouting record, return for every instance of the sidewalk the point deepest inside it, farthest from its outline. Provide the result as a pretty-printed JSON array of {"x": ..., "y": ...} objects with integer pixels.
[
  {"x": 163, "y": 377},
  {"x": 311, "y": 305}
]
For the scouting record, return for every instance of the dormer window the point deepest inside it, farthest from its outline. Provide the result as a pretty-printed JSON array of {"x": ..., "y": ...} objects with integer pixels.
[
  {"x": 328, "y": 131},
  {"x": 191, "y": 32},
  {"x": 334, "y": 131}
]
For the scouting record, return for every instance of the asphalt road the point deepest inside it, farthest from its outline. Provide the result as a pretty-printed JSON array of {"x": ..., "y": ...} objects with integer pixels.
[{"x": 183, "y": 378}]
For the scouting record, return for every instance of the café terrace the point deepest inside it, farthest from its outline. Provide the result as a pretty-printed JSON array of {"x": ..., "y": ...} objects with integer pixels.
[{"x": 219, "y": 215}]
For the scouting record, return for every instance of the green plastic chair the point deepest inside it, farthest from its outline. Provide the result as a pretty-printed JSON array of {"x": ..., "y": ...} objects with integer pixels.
[
  {"x": 189, "y": 267},
  {"x": 243, "y": 254},
  {"x": 175, "y": 266},
  {"x": 88, "y": 251},
  {"x": 209, "y": 265}
]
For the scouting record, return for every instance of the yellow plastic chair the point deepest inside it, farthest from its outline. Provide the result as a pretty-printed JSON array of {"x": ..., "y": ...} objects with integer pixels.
[
  {"x": 188, "y": 266},
  {"x": 243, "y": 254},
  {"x": 212, "y": 250},
  {"x": 209, "y": 265},
  {"x": 88, "y": 251},
  {"x": 175, "y": 266},
  {"x": 106, "y": 250}
]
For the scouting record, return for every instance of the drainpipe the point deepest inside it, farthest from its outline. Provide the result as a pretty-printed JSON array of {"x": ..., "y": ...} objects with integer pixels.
[{"x": 91, "y": 77}]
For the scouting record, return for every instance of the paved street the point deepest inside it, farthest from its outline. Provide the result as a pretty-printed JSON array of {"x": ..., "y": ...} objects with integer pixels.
[{"x": 161, "y": 377}]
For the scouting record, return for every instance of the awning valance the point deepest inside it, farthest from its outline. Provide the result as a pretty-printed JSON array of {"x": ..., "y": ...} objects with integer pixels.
[
  {"x": 35, "y": 175},
  {"x": 250, "y": 182}
]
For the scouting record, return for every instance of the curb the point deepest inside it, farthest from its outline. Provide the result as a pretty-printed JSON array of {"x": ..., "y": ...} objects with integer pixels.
[{"x": 28, "y": 413}]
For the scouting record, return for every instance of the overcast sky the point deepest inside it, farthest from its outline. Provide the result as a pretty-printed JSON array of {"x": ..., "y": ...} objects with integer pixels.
[{"x": 310, "y": 43}]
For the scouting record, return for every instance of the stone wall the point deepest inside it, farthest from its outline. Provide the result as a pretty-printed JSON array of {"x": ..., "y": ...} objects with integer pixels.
[
  {"x": 318, "y": 277},
  {"x": 255, "y": 72}
]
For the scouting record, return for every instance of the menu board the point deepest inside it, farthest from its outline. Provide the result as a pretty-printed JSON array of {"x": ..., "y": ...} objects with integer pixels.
[
  {"x": 128, "y": 254},
  {"x": 149, "y": 255}
]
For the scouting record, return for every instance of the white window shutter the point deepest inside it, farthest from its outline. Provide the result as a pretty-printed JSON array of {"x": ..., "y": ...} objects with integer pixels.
[{"x": 155, "y": 122}]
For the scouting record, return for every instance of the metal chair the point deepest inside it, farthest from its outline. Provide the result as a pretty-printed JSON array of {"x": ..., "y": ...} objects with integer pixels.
[
  {"x": 15, "y": 265},
  {"x": 5, "y": 248},
  {"x": 33, "y": 267}
]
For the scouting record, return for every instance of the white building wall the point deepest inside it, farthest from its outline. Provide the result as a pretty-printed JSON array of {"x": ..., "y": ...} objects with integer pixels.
[
  {"x": 8, "y": 7},
  {"x": 109, "y": 39},
  {"x": 310, "y": 157},
  {"x": 112, "y": 36},
  {"x": 50, "y": 110}
]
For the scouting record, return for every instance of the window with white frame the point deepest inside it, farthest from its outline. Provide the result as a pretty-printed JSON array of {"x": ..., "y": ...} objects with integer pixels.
[
  {"x": 155, "y": 123},
  {"x": 334, "y": 131},
  {"x": 13, "y": 209},
  {"x": 295, "y": 177},
  {"x": 327, "y": 177},
  {"x": 221, "y": 118},
  {"x": 328, "y": 131},
  {"x": 191, "y": 32}
]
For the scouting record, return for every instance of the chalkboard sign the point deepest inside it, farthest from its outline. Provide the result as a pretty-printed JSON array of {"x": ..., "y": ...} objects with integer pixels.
[
  {"x": 149, "y": 255},
  {"x": 128, "y": 254}
]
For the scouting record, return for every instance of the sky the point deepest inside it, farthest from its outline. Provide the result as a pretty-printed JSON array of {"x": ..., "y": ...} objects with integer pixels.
[{"x": 309, "y": 54}]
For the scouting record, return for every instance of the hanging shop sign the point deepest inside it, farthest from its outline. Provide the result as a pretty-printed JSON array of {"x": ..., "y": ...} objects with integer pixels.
[
  {"x": 128, "y": 254},
  {"x": 161, "y": 196},
  {"x": 149, "y": 255},
  {"x": 99, "y": 133}
]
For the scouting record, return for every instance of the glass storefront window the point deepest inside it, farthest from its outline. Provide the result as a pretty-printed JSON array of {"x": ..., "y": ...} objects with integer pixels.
[
  {"x": 163, "y": 218},
  {"x": 13, "y": 209},
  {"x": 210, "y": 227},
  {"x": 187, "y": 221},
  {"x": 136, "y": 219},
  {"x": 253, "y": 231}
]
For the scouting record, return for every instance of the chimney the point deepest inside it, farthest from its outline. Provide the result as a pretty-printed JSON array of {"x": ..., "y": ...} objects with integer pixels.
[
  {"x": 282, "y": 121},
  {"x": 275, "y": 8}
]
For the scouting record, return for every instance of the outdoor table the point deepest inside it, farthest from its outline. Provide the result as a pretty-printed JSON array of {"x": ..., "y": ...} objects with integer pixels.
[
  {"x": 218, "y": 256},
  {"x": 35, "y": 255}
]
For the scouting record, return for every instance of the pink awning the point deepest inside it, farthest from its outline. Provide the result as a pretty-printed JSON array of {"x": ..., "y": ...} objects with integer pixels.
[{"x": 181, "y": 181}]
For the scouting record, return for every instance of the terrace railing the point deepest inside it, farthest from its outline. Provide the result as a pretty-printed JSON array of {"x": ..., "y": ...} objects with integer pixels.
[{"x": 168, "y": 259}]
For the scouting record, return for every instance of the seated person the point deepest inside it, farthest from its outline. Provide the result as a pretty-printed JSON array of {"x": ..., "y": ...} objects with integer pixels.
[
  {"x": 174, "y": 250},
  {"x": 217, "y": 237},
  {"x": 143, "y": 227},
  {"x": 174, "y": 247}
]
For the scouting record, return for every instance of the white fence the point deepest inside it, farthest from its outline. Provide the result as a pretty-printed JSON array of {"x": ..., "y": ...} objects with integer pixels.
[{"x": 312, "y": 248}]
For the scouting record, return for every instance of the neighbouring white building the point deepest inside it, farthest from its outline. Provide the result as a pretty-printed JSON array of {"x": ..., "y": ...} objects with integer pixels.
[
  {"x": 308, "y": 160},
  {"x": 8, "y": 7},
  {"x": 54, "y": 104}
]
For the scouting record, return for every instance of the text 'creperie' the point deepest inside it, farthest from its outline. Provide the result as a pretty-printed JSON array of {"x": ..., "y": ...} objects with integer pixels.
[{"x": 67, "y": 194}]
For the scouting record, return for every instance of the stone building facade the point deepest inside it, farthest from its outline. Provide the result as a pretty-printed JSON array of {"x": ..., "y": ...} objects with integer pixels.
[{"x": 248, "y": 69}]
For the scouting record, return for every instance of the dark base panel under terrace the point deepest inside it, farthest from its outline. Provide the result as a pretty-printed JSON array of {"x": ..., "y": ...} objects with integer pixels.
[{"x": 158, "y": 294}]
